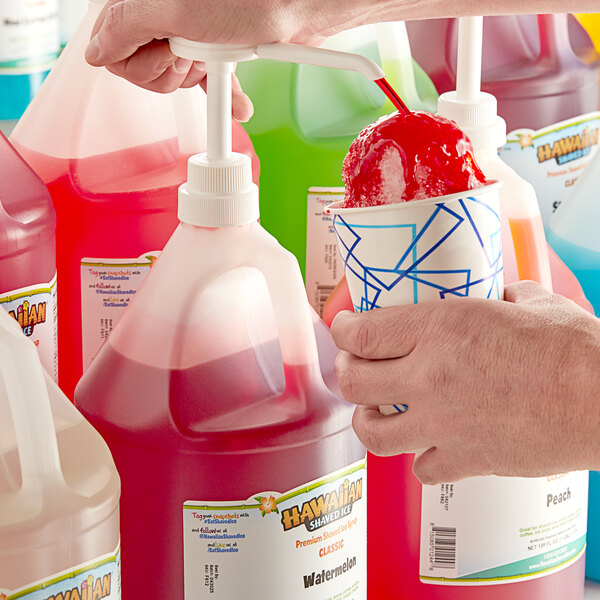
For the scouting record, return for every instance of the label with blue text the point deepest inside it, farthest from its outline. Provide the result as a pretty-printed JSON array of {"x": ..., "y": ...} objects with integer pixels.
[
  {"x": 108, "y": 285},
  {"x": 34, "y": 309},
  {"x": 552, "y": 158},
  {"x": 29, "y": 36},
  {"x": 98, "y": 579},
  {"x": 491, "y": 530},
  {"x": 309, "y": 542}
]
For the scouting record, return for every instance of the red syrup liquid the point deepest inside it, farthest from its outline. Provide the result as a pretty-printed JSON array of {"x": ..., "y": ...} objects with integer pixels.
[
  {"x": 116, "y": 205},
  {"x": 202, "y": 434},
  {"x": 409, "y": 157},
  {"x": 120, "y": 204},
  {"x": 392, "y": 96}
]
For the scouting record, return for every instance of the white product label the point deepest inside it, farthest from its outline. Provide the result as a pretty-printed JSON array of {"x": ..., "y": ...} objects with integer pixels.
[
  {"x": 324, "y": 268},
  {"x": 34, "y": 309},
  {"x": 309, "y": 542},
  {"x": 98, "y": 579},
  {"x": 489, "y": 530},
  {"x": 107, "y": 288},
  {"x": 29, "y": 35},
  {"x": 552, "y": 158}
]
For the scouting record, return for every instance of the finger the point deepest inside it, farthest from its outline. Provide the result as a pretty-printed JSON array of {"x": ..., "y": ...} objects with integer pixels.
[
  {"x": 436, "y": 466},
  {"x": 383, "y": 332},
  {"x": 122, "y": 27},
  {"x": 387, "y": 435},
  {"x": 168, "y": 81},
  {"x": 242, "y": 105},
  {"x": 523, "y": 291},
  {"x": 196, "y": 75},
  {"x": 377, "y": 382},
  {"x": 149, "y": 63}
]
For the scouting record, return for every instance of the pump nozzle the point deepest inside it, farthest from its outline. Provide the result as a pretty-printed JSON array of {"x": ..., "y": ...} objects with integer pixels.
[
  {"x": 219, "y": 191},
  {"x": 474, "y": 111}
]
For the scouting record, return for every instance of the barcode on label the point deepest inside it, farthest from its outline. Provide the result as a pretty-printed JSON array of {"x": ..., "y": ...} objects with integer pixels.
[
  {"x": 443, "y": 547},
  {"x": 323, "y": 292}
]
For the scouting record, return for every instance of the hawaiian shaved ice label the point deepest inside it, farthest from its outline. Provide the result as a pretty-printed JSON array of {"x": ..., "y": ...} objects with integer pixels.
[{"x": 409, "y": 157}]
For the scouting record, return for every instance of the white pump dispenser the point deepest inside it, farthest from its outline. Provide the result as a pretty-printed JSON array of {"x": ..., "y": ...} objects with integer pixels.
[
  {"x": 476, "y": 114},
  {"x": 219, "y": 191}
]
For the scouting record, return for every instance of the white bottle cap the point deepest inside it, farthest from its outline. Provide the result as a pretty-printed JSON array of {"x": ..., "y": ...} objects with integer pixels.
[
  {"x": 479, "y": 120},
  {"x": 218, "y": 193}
]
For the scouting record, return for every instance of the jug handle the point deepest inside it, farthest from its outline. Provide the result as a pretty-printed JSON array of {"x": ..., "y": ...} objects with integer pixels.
[
  {"x": 22, "y": 376},
  {"x": 290, "y": 304},
  {"x": 554, "y": 34}
]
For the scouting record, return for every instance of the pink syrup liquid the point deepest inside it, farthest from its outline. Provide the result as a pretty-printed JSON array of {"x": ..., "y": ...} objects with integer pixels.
[
  {"x": 116, "y": 205},
  {"x": 201, "y": 434},
  {"x": 27, "y": 224}
]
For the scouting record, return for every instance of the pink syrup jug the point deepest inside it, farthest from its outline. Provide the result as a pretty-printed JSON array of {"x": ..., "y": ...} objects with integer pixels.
[
  {"x": 545, "y": 73},
  {"x": 451, "y": 543},
  {"x": 231, "y": 449},
  {"x": 112, "y": 156},
  {"x": 28, "y": 253}
]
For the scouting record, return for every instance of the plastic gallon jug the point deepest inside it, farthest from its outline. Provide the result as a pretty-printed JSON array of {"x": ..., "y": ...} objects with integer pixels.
[
  {"x": 302, "y": 128},
  {"x": 525, "y": 251},
  {"x": 29, "y": 45},
  {"x": 112, "y": 156},
  {"x": 425, "y": 554},
  {"x": 28, "y": 253},
  {"x": 545, "y": 73},
  {"x": 574, "y": 236},
  {"x": 217, "y": 415},
  {"x": 59, "y": 488}
]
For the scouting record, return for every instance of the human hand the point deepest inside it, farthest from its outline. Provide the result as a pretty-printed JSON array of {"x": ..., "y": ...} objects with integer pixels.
[
  {"x": 493, "y": 388},
  {"x": 129, "y": 37}
]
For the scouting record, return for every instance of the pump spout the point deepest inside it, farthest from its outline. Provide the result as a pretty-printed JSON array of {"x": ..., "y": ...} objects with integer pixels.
[
  {"x": 295, "y": 53},
  {"x": 321, "y": 57}
]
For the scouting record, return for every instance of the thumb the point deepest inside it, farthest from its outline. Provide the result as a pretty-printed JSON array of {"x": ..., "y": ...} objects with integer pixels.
[
  {"x": 381, "y": 333},
  {"x": 525, "y": 291}
]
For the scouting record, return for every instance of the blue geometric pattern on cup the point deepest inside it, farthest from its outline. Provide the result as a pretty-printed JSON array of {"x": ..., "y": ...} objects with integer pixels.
[{"x": 415, "y": 249}]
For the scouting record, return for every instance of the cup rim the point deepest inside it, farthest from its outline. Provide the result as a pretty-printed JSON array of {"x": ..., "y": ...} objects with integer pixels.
[{"x": 337, "y": 208}]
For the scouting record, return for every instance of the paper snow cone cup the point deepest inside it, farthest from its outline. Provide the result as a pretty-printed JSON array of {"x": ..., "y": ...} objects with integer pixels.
[{"x": 432, "y": 249}]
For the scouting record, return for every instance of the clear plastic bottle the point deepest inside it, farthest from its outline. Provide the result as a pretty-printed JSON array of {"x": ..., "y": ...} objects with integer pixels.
[
  {"x": 112, "y": 156},
  {"x": 59, "y": 488},
  {"x": 29, "y": 45},
  {"x": 28, "y": 253},
  {"x": 574, "y": 236}
]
